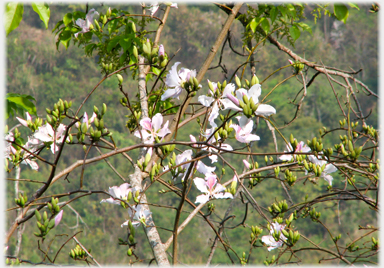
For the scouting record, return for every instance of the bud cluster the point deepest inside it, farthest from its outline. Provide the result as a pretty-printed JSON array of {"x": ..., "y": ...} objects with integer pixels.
[
  {"x": 223, "y": 132},
  {"x": 78, "y": 253},
  {"x": 12, "y": 262},
  {"x": 211, "y": 207},
  {"x": 370, "y": 130},
  {"x": 256, "y": 231},
  {"x": 278, "y": 208},
  {"x": 292, "y": 237},
  {"x": 58, "y": 113},
  {"x": 291, "y": 179},
  {"x": 154, "y": 55},
  {"x": 243, "y": 259},
  {"x": 375, "y": 243},
  {"x": 347, "y": 148},
  {"x": 21, "y": 200},
  {"x": 154, "y": 171},
  {"x": 315, "y": 145},
  {"x": 143, "y": 164},
  {"x": 248, "y": 105},
  {"x": 311, "y": 167},
  {"x": 315, "y": 216},
  {"x": 298, "y": 66},
  {"x": 53, "y": 207},
  {"x": 165, "y": 149},
  {"x": 43, "y": 223},
  {"x": 269, "y": 262}
]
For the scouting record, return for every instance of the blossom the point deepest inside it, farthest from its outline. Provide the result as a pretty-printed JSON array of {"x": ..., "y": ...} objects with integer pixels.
[
  {"x": 58, "y": 217},
  {"x": 246, "y": 164},
  {"x": 204, "y": 169},
  {"x": 210, "y": 188},
  {"x": 253, "y": 93},
  {"x": 47, "y": 134},
  {"x": 270, "y": 241},
  {"x": 301, "y": 148},
  {"x": 181, "y": 158},
  {"x": 175, "y": 81},
  {"x": 243, "y": 132},
  {"x": 25, "y": 122},
  {"x": 329, "y": 168},
  {"x": 208, "y": 133},
  {"x": 151, "y": 128},
  {"x": 220, "y": 102},
  {"x": 120, "y": 192},
  {"x": 141, "y": 216},
  {"x": 155, "y": 6},
  {"x": 86, "y": 24},
  {"x": 86, "y": 120}
]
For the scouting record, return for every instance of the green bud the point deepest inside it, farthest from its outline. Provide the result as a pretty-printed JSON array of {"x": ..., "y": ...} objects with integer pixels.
[
  {"x": 104, "y": 110},
  {"x": 120, "y": 78},
  {"x": 237, "y": 80},
  {"x": 129, "y": 252},
  {"x": 254, "y": 80},
  {"x": 135, "y": 52},
  {"x": 38, "y": 215}
]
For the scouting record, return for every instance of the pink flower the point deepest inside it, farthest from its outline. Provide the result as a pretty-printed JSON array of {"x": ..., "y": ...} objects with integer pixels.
[
  {"x": 210, "y": 188},
  {"x": 25, "y": 122},
  {"x": 85, "y": 24},
  {"x": 246, "y": 164},
  {"x": 161, "y": 51},
  {"x": 329, "y": 168},
  {"x": 243, "y": 132},
  {"x": 141, "y": 216},
  {"x": 151, "y": 128},
  {"x": 86, "y": 120}
]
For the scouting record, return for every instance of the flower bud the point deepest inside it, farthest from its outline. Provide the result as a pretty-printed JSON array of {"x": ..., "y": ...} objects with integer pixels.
[
  {"x": 254, "y": 80},
  {"x": 237, "y": 80},
  {"x": 120, "y": 78}
]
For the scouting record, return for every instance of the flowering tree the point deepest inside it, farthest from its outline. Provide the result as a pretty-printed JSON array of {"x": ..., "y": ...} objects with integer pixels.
[{"x": 200, "y": 171}]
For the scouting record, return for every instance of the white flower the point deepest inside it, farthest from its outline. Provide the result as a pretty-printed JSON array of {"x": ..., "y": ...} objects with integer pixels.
[
  {"x": 329, "y": 168},
  {"x": 85, "y": 24},
  {"x": 253, "y": 93},
  {"x": 151, "y": 128},
  {"x": 243, "y": 131},
  {"x": 175, "y": 81},
  {"x": 155, "y": 6},
  {"x": 221, "y": 102},
  {"x": 207, "y": 187},
  {"x": 181, "y": 158},
  {"x": 141, "y": 216},
  {"x": 301, "y": 148},
  {"x": 58, "y": 217},
  {"x": 47, "y": 134},
  {"x": 270, "y": 241},
  {"x": 121, "y": 192}
]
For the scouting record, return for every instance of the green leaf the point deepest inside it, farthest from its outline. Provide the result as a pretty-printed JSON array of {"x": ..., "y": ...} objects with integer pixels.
[
  {"x": 291, "y": 10},
  {"x": 273, "y": 14},
  {"x": 67, "y": 19},
  {"x": 13, "y": 16},
  {"x": 305, "y": 27},
  {"x": 112, "y": 43},
  {"x": 282, "y": 10},
  {"x": 156, "y": 71},
  {"x": 253, "y": 25},
  {"x": 125, "y": 43},
  {"x": 64, "y": 37},
  {"x": 295, "y": 32},
  {"x": 57, "y": 25},
  {"x": 341, "y": 12},
  {"x": 265, "y": 25},
  {"x": 354, "y": 6},
  {"x": 43, "y": 11},
  {"x": 17, "y": 103}
]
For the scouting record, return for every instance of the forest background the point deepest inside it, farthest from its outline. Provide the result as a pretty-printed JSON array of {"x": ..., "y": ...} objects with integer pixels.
[{"x": 36, "y": 67}]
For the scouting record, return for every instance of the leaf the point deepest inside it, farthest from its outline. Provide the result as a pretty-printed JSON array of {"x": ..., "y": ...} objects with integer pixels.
[
  {"x": 295, "y": 32},
  {"x": 43, "y": 11},
  {"x": 112, "y": 43},
  {"x": 282, "y": 10},
  {"x": 156, "y": 71},
  {"x": 265, "y": 25},
  {"x": 341, "y": 12},
  {"x": 291, "y": 10},
  {"x": 17, "y": 103},
  {"x": 253, "y": 25},
  {"x": 67, "y": 19},
  {"x": 57, "y": 25},
  {"x": 273, "y": 14},
  {"x": 305, "y": 27},
  {"x": 125, "y": 43},
  {"x": 64, "y": 37},
  {"x": 13, "y": 16},
  {"x": 354, "y": 6}
]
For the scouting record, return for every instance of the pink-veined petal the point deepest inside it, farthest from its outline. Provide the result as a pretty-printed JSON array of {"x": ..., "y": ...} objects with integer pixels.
[
  {"x": 205, "y": 100},
  {"x": 254, "y": 93},
  {"x": 265, "y": 110},
  {"x": 157, "y": 121},
  {"x": 171, "y": 93},
  {"x": 172, "y": 79}
]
